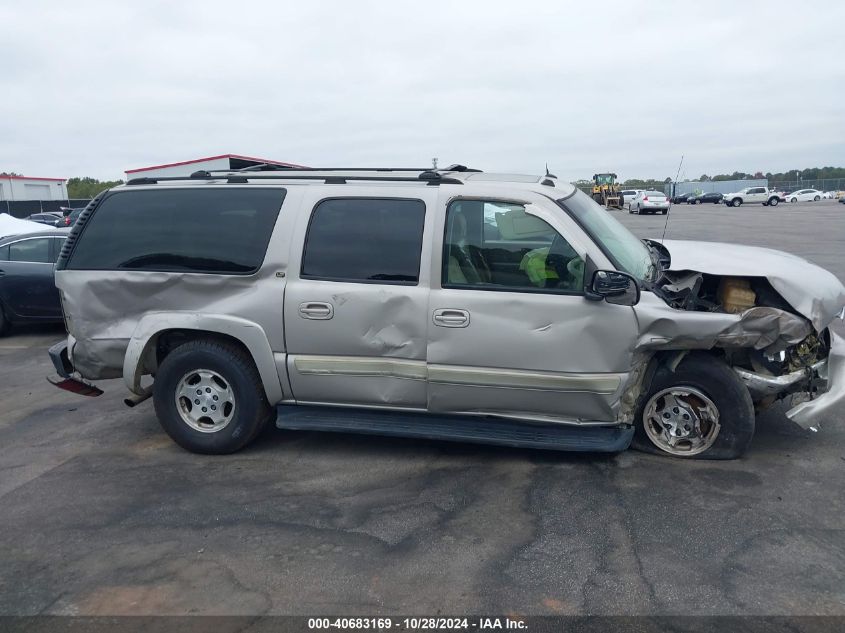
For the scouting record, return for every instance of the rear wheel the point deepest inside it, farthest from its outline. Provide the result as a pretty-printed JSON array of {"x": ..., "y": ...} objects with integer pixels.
[
  {"x": 816, "y": 199},
  {"x": 701, "y": 411},
  {"x": 774, "y": 202},
  {"x": 665, "y": 211},
  {"x": 697, "y": 202},
  {"x": 794, "y": 200},
  {"x": 209, "y": 397}
]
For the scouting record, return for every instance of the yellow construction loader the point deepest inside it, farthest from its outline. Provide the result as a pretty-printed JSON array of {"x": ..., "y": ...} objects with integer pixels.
[{"x": 606, "y": 191}]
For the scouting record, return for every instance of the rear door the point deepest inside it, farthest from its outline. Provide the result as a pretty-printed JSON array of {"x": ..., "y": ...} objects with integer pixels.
[
  {"x": 27, "y": 286},
  {"x": 356, "y": 301},
  {"x": 510, "y": 332}
]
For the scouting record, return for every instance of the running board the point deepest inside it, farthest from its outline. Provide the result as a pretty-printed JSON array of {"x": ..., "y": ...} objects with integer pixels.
[{"x": 481, "y": 430}]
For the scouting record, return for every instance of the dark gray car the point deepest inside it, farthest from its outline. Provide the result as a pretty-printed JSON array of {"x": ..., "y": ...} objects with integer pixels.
[{"x": 27, "y": 289}]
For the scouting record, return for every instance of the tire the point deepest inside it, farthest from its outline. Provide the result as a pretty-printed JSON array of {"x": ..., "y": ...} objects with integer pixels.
[
  {"x": 665, "y": 211},
  {"x": 629, "y": 209},
  {"x": 794, "y": 200},
  {"x": 697, "y": 374},
  {"x": 774, "y": 202},
  {"x": 5, "y": 326},
  {"x": 736, "y": 202},
  {"x": 696, "y": 202},
  {"x": 638, "y": 209},
  {"x": 249, "y": 411},
  {"x": 816, "y": 199}
]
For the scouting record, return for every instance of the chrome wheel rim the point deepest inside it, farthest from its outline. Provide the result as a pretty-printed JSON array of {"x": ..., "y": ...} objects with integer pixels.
[
  {"x": 205, "y": 400},
  {"x": 681, "y": 421}
]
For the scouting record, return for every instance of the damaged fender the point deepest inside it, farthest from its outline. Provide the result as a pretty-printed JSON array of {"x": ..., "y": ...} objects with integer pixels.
[
  {"x": 664, "y": 328},
  {"x": 140, "y": 352}
]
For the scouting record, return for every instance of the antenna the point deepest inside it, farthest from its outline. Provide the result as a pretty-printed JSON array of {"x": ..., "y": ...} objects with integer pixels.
[
  {"x": 549, "y": 175},
  {"x": 434, "y": 164},
  {"x": 674, "y": 185}
]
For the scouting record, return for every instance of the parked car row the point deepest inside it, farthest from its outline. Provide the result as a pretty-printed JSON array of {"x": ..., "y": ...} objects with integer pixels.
[{"x": 64, "y": 217}]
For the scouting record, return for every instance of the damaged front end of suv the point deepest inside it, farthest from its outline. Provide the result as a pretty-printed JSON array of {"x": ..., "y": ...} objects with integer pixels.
[{"x": 768, "y": 313}]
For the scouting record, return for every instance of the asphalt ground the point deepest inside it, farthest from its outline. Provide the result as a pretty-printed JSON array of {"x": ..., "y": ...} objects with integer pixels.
[{"x": 100, "y": 513}]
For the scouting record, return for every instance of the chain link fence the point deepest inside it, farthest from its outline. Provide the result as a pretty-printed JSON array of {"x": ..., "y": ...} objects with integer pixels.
[{"x": 826, "y": 184}]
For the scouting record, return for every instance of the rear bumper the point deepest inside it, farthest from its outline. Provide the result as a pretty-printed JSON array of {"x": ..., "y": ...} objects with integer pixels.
[
  {"x": 61, "y": 360},
  {"x": 807, "y": 413}
]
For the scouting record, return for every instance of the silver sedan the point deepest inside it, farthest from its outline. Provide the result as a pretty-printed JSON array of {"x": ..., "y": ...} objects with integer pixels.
[{"x": 649, "y": 202}]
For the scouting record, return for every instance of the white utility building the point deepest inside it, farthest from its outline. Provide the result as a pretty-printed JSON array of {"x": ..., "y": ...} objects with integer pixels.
[
  {"x": 31, "y": 188},
  {"x": 187, "y": 167}
]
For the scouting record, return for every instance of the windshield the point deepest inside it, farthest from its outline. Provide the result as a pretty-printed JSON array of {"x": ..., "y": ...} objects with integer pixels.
[
  {"x": 621, "y": 246},
  {"x": 655, "y": 194}
]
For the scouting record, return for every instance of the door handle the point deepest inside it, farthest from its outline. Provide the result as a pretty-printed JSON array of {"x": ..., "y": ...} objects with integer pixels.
[
  {"x": 450, "y": 317},
  {"x": 317, "y": 310}
]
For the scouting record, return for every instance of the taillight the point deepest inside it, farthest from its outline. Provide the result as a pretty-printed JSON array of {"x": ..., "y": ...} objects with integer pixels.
[{"x": 645, "y": 198}]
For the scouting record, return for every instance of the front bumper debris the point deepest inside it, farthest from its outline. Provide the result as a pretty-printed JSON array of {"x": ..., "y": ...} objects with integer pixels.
[{"x": 806, "y": 413}]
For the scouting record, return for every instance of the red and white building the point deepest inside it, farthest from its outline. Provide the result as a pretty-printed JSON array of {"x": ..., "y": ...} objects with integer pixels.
[
  {"x": 32, "y": 188},
  {"x": 187, "y": 167}
]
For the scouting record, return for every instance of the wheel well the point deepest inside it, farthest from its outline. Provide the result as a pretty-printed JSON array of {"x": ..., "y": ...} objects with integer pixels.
[{"x": 169, "y": 340}]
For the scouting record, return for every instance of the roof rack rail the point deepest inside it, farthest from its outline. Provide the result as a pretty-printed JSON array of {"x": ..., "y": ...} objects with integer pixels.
[
  {"x": 271, "y": 167},
  {"x": 428, "y": 176}
]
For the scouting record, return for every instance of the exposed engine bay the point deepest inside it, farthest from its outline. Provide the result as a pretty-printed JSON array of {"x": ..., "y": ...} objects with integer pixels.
[{"x": 776, "y": 370}]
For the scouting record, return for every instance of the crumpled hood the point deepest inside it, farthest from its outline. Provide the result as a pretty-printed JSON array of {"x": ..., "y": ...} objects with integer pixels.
[{"x": 812, "y": 291}]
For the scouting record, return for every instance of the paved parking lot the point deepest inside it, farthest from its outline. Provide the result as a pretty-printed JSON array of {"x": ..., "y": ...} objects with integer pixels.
[{"x": 101, "y": 514}]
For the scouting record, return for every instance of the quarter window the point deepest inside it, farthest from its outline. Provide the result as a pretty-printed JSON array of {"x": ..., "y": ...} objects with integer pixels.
[
  {"x": 365, "y": 240},
  {"x": 498, "y": 246},
  {"x": 33, "y": 250},
  {"x": 222, "y": 230}
]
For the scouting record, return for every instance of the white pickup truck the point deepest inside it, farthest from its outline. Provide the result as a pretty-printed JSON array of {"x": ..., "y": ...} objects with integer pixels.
[{"x": 752, "y": 194}]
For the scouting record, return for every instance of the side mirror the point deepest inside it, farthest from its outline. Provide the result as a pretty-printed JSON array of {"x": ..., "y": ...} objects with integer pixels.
[{"x": 614, "y": 287}]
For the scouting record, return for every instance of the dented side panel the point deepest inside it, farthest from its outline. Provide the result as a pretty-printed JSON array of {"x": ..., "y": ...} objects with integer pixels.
[{"x": 105, "y": 310}]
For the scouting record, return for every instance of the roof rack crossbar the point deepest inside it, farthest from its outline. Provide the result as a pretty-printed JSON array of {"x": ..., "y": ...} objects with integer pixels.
[{"x": 427, "y": 176}]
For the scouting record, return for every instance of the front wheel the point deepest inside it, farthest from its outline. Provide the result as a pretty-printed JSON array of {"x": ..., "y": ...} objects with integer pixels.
[
  {"x": 665, "y": 211},
  {"x": 702, "y": 410},
  {"x": 816, "y": 199},
  {"x": 209, "y": 397},
  {"x": 736, "y": 202}
]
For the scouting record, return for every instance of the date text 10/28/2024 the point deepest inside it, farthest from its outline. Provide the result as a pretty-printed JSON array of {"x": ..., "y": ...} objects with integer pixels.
[{"x": 417, "y": 623}]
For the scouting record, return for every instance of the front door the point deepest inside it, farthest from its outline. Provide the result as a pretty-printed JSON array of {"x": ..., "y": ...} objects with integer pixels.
[
  {"x": 511, "y": 332},
  {"x": 356, "y": 309}
]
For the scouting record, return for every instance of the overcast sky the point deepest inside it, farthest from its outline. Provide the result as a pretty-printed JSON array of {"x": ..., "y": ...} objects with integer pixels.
[{"x": 94, "y": 88}]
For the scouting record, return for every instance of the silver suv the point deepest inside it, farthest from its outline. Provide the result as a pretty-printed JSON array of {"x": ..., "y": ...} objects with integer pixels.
[{"x": 448, "y": 304}]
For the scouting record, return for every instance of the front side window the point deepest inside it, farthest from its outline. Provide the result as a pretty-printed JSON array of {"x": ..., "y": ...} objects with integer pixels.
[
  {"x": 365, "y": 240},
  {"x": 222, "y": 230},
  {"x": 498, "y": 246},
  {"x": 33, "y": 250}
]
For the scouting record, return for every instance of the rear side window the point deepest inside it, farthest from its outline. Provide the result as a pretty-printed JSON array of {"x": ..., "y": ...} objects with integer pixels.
[
  {"x": 32, "y": 250},
  {"x": 210, "y": 230},
  {"x": 369, "y": 240}
]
